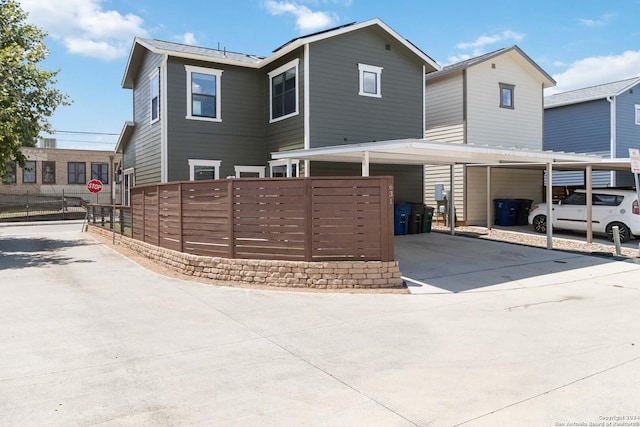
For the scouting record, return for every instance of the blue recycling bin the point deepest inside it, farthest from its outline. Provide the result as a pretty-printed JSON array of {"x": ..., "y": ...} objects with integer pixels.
[
  {"x": 401, "y": 215},
  {"x": 506, "y": 211}
]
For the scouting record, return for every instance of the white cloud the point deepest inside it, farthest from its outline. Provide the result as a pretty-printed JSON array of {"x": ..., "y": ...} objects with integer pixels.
[
  {"x": 187, "y": 38},
  {"x": 600, "y": 22},
  {"x": 597, "y": 70},
  {"x": 483, "y": 41},
  {"x": 84, "y": 27},
  {"x": 306, "y": 19}
]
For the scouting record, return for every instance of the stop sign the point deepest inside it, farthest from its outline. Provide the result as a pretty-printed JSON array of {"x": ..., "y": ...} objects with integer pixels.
[{"x": 94, "y": 186}]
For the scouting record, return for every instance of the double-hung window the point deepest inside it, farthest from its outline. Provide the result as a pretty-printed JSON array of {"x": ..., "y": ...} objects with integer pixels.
[
  {"x": 154, "y": 81},
  {"x": 100, "y": 171},
  {"x": 283, "y": 91},
  {"x": 637, "y": 114},
  {"x": 506, "y": 95},
  {"x": 370, "y": 80},
  {"x": 10, "y": 175},
  {"x": 29, "y": 172},
  {"x": 203, "y": 93},
  {"x": 48, "y": 172},
  {"x": 76, "y": 172}
]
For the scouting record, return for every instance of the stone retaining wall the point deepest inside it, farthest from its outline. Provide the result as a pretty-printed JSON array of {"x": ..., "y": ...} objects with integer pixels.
[{"x": 293, "y": 274}]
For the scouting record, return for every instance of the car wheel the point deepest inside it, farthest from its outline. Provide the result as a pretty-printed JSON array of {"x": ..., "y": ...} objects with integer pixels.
[
  {"x": 540, "y": 223},
  {"x": 625, "y": 234}
]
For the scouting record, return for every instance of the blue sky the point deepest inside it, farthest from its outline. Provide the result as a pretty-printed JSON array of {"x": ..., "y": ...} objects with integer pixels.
[{"x": 579, "y": 43}]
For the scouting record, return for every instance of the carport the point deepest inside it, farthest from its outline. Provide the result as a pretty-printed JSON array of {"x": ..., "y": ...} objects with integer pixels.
[
  {"x": 421, "y": 152},
  {"x": 587, "y": 167}
]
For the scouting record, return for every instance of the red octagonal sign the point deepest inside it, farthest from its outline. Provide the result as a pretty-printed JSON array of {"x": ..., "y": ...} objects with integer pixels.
[{"x": 94, "y": 186}]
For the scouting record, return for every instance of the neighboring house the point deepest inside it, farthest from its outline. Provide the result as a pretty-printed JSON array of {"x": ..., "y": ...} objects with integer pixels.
[
  {"x": 203, "y": 113},
  {"x": 495, "y": 99},
  {"x": 56, "y": 171},
  {"x": 603, "y": 120}
]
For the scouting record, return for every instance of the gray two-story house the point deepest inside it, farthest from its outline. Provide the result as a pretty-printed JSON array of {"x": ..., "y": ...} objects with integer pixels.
[
  {"x": 201, "y": 113},
  {"x": 603, "y": 120}
]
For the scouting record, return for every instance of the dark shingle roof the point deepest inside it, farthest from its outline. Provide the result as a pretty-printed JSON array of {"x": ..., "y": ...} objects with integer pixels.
[
  {"x": 590, "y": 93},
  {"x": 202, "y": 51}
]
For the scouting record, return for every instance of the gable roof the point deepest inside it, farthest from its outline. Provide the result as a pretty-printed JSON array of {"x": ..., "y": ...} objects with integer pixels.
[
  {"x": 590, "y": 93},
  {"x": 254, "y": 61},
  {"x": 343, "y": 29},
  {"x": 547, "y": 80}
]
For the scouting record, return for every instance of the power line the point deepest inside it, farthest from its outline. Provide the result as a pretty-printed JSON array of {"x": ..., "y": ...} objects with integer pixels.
[{"x": 84, "y": 133}]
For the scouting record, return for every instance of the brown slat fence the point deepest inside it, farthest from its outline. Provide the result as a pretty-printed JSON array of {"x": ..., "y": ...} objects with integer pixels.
[{"x": 302, "y": 219}]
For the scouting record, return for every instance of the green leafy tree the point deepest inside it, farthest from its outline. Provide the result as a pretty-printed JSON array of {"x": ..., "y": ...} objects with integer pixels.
[{"x": 27, "y": 94}]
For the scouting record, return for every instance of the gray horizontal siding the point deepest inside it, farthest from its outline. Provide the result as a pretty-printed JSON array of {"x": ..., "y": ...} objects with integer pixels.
[
  {"x": 143, "y": 150},
  {"x": 627, "y": 131},
  {"x": 287, "y": 134},
  {"x": 339, "y": 115},
  {"x": 237, "y": 140},
  {"x": 579, "y": 128}
]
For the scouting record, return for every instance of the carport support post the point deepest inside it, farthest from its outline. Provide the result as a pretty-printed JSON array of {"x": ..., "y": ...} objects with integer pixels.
[
  {"x": 489, "y": 216},
  {"x": 452, "y": 199},
  {"x": 549, "y": 206},
  {"x": 589, "y": 185},
  {"x": 365, "y": 163}
]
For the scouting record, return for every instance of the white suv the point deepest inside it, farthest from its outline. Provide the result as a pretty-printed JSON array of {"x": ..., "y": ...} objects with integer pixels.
[{"x": 610, "y": 207}]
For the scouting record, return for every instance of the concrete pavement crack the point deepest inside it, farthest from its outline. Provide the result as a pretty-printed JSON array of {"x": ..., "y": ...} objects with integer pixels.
[{"x": 611, "y": 368}]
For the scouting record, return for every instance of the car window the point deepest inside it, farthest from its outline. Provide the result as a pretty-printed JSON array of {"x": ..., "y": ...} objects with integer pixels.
[
  {"x": 607, "y": 199},
  {"x": 575, "y": 199}
]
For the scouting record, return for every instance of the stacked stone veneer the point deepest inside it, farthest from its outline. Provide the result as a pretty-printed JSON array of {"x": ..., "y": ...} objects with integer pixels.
[{"x": 293, "y": 274}]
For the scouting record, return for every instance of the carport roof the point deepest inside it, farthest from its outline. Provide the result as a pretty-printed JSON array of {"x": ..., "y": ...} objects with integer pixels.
[{"x": 421, "y": 152}]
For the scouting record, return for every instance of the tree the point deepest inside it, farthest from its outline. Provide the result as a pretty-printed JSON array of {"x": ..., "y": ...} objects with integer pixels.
[{"x": 27, "y": 94}]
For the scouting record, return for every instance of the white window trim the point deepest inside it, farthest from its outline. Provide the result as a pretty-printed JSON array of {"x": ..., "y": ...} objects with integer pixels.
[
  {"x": 638, "y": 114},
  {"x": 154, "y": 74},
  {"x": 249, "y": 169},
  {"x": 126, "y": 194},
  {"x": 292, "y": 64},
  {"x": 190, "y": 69},
  {"x": 285, "y": 162},
  {"x": 199, "y": 162},
  {"x": 362, "y": 68}
]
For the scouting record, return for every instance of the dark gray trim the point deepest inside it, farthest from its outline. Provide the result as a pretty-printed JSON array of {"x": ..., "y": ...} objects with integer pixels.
[{"x": 512, "y": 89}]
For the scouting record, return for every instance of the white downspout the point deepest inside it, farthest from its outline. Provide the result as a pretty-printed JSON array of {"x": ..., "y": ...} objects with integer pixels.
[
  {"x": 307, "y": 107},
  {"x": 164, "y": 134},
  {"x": 613, "y": 140}
]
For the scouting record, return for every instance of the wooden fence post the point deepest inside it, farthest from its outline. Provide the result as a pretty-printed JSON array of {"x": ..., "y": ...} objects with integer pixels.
[
  {"x": 181, "y": 219},
  {"x": 308, "y": 219},
  {"x": 231, "y": 219}
]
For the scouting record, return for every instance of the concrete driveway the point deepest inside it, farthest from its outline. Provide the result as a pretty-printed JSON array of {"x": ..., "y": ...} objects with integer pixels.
[
  {"x": 441, "y": 263},
  {"x": 90, "y": 338}
]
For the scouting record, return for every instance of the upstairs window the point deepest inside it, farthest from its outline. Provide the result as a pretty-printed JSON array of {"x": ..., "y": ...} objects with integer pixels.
[
  {"x": 506, "y": 96},
  {"x": 370, "y": 80},
  {"x": 155, "y": 96},
  {"x": 637, "y": 114},
  {"x": 29, "y": 172},
  {"x": 284, "y": 91},
  {"x": 203, "y": 93}
]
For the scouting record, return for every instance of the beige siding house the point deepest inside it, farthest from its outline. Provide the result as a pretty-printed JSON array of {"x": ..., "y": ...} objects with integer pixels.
[{"x": 492, "y": 100}]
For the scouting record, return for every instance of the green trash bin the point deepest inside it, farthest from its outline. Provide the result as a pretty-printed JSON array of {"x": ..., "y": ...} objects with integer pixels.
[{"x": 427, "y": 218}]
